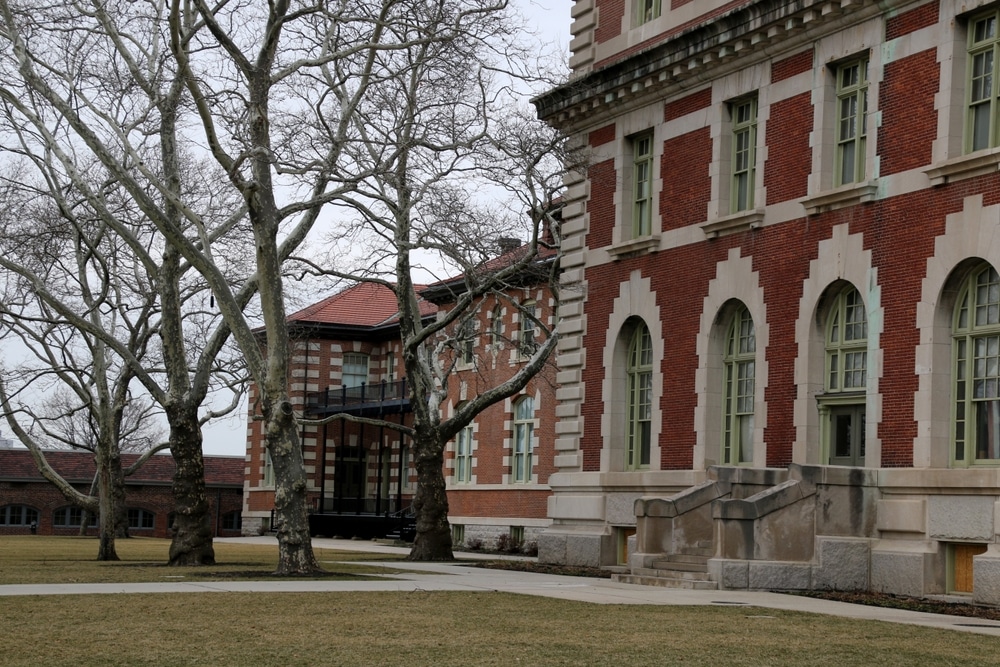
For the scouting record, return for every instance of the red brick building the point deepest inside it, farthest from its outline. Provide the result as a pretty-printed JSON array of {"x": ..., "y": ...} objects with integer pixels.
[
  {"x": 26, "y": 497},
  {"x": 347, "y": 359},
  {"x": 781, "y": 309}
]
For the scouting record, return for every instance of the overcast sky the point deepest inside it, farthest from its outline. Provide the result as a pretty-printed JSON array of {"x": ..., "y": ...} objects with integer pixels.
[{"x": 550, "y": 18}]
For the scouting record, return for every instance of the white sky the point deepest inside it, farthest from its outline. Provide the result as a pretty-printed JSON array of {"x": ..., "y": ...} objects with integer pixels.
[{"x": 551, "y": 20}]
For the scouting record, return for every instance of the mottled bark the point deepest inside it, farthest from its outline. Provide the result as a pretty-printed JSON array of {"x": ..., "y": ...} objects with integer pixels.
[
  {"x": 295, "y": 552},
  {"x": 106, "y": 520},
  {"x": 119, "y": 508},
  {"x": 192, "y": 540},
  {"x": 433, "y": 541}
]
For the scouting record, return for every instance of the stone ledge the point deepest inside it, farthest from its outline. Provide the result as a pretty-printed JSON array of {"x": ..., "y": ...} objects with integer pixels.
[{"x": 846, "y": 195}]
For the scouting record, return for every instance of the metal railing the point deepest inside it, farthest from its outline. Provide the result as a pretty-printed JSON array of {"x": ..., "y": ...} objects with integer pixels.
[{"x": 363, "y": 394}]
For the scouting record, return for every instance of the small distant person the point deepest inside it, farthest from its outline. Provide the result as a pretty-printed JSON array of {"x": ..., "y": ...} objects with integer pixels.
[{"x": 34, "y": 527}]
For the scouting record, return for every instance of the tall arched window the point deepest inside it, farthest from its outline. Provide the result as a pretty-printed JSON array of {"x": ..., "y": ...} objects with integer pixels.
[
  {"x": 524, "y": 429},
  {"x": 741, "y": 349},
  {"x": 640, "y": 399},
  {"x": 977, "y": 369},
  {"x": 842, "y": 406}
]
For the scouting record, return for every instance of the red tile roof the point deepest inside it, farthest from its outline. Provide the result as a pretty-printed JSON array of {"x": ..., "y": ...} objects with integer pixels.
[
  {"x": 79, "y": 467},
  {"x": 363, "y": 305}
]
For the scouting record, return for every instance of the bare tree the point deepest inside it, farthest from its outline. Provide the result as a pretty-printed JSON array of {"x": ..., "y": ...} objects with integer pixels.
[
  {"x": 64, "y": 268},
  {"x": 85, "y": 259},
  {"x": 452, "y": 164}
]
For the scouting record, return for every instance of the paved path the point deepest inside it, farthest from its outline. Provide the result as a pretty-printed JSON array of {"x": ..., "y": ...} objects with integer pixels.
[{"x": 453, "y": 577}]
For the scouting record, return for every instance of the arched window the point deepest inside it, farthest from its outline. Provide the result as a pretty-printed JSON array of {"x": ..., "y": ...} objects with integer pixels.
[
  {"x": 72, "y": 517},
  {"x": 640, "y": 399},
  {"x": 847, "y": 343},
  {"x": 524, "y": 429},
  {"x": 977, "y": 369},
  {"x": 140, "y": 518},
  {"x": 18, "y": 515},
  {"x": 737, "y": 427}
]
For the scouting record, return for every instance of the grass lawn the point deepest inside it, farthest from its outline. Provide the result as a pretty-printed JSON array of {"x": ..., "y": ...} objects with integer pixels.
[
  {"x": 33, "y": 559},
  {"x": 407, "y": 628}
]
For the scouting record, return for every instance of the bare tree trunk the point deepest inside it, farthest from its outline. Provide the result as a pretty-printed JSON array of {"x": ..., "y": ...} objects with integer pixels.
[
  {"x": 120, "y": 510},
  {"x": 192, "y": 540},
  {"x": 433, "y": 541},
  {"x": 106, "y": 521},
  {"x": 295, "y": 552}
]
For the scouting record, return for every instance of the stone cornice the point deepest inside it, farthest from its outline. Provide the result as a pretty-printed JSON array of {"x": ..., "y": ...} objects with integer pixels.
[{"x": 703, "y": 51}]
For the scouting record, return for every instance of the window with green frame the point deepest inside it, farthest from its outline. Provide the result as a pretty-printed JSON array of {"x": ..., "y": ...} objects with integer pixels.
[
  {"x": 852, "y": 110},
  {"x": 463, "y": 456},
  {"x": 355, "y": 369},
  {"x": 642, "y": 184},
  {"x": 640, "y": 399},
  {"x": 847, "y": 343},
  {"x": 976, "y": 346},
  {"x": 981, "y": 117},
  {"x": 524, "y": 430},
  {"x": 744, "y": 120},
  {"x": 647, "y": 10},
  {"x": 842, "y": 406},
  {"x": 527, "y": 344},
  {"x": 739, "y": 369}
]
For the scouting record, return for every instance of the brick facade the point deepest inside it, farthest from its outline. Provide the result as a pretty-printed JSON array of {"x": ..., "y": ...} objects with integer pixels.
[
  {"x": 876, "y": 468},
  {"x": 148, "y": 489}
]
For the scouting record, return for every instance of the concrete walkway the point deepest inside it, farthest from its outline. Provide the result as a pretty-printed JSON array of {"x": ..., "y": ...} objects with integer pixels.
[{"x": 454, "y": 577}]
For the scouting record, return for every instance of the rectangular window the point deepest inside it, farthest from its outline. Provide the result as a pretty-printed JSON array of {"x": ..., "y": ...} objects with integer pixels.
[
  {"x": 647, "y": 10},
  {"x": 466, "y": 342},
  {"x": 463, "y": 456},
  {"x": 140, "y": 519},
  {"x": 642, "y": 185},
  {"x": 268, "y": 469},
  {"x": 527, "y": 342},
  {"x": 355, "y": 371},
  {"x": 982, "y": 86},
  {"x": 852, "y": 111},
  {"x": 390, "y": 367},
  {"x": 744, "y": 119}
]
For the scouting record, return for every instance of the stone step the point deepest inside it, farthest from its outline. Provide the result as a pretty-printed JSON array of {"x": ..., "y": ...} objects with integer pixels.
[
  {"x": 666, "y": 582},
  {"x": 672, "y": 573},
  {"x": 681, "y": 562}
]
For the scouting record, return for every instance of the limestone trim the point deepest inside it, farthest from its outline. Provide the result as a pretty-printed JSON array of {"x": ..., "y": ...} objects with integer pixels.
[
  {"x": 636, "y": 300},
  {"x": 842, "y": 197},
  {"x": 840, "y": 258},
  {"x": 737, "y": 222},
  {"x": 634, "y": 247},
  {"x": 735, "y": 280},
  {"x": 960, "y": 168},
  {"x": 970, "y": 234}
]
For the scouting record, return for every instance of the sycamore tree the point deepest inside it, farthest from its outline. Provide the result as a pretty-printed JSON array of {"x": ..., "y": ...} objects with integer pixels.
[
  {"x": 102, "y": 304},
  {"x": 274, "y": 95},
  {"x": 451, "y": 163},
  {"x": 70, "y": 388}
]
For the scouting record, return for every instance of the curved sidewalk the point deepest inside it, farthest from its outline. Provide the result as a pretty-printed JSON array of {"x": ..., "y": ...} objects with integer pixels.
[{"x": 458, "y": 577}]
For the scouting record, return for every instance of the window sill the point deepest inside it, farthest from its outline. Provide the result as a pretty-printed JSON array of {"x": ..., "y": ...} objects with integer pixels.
[
  {"x": 737, "y": 222},
  {"x": 634, "y": 247},
  {"x": 846, "y": 195},
  {"x": 965, "y": 166}
]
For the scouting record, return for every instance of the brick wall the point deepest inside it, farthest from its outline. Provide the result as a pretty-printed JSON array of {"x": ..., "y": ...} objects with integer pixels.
[
  {"x": 786, "y": 172},
  {"x": 915, "y": 19},
  {"x": 909, "y": 120},
  {"x": 687, "y": 183}
]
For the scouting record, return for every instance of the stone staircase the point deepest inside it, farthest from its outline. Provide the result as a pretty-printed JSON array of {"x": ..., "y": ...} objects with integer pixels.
[{"x": 683, "y": 570}]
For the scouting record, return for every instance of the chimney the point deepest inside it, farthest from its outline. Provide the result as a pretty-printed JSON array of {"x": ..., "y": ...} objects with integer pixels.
[{"x": 508, "y": 244}]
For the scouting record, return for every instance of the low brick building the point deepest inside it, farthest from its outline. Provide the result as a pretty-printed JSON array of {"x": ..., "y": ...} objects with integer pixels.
[{"x": 27, "y": 498}]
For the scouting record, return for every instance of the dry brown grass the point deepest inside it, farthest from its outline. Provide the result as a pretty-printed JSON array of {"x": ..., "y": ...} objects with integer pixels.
[
  {"x": 54, "y": 560},
  {"x": 449, "y": 629},
  {"x": 420, "y": 628}
]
